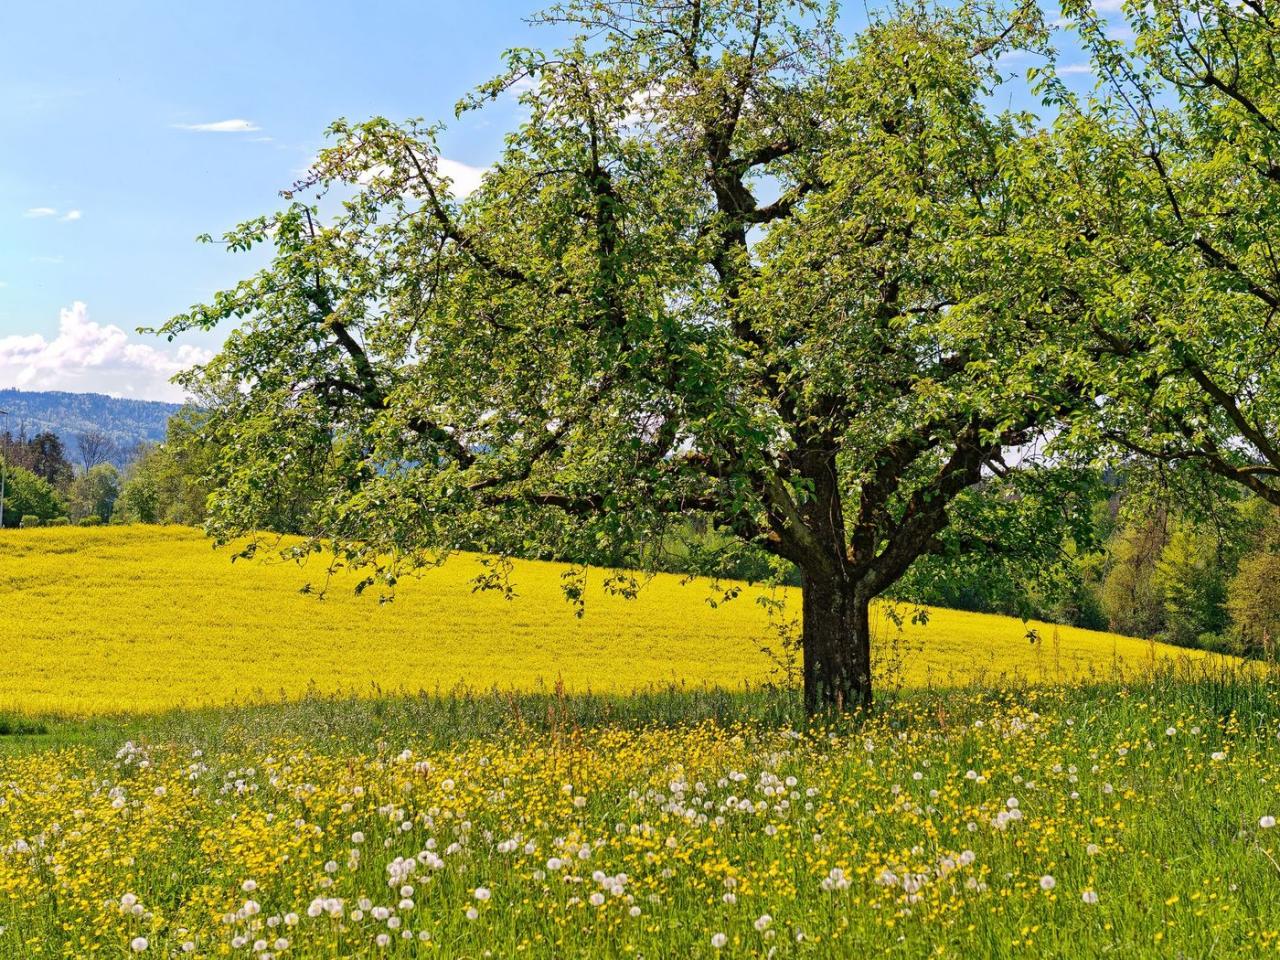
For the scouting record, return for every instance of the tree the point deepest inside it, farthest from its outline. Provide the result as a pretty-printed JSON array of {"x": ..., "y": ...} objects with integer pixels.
[
  {"x": 1253, "y": 595},
  {"x": 94, "y": 494},
  {"x": 725, "y": 269},
  {"x": 95, "y": 447},
  {"x": 1166, "y": 192},
  {"x": 141, "y": 500},
  {"x": 1192, "y": 578},
  {"x": 42, "y": 454},
  {"x": 1131, "y": 597},
  {"x": 48, "y": 460},
  {"x": 171, "y": 482},
  {"x": 25, "y": 494}
]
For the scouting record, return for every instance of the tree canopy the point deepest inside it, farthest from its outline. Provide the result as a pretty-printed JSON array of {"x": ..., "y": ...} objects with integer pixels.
[{"x": 1163, "y": 189}]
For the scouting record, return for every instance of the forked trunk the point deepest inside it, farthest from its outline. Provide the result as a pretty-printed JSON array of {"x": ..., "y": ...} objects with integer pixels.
[{"x": 836, "y": 644}]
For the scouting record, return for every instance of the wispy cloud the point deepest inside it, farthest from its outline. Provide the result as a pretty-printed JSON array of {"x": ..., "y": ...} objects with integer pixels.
[
  {"x": 1075, "y": 68},
  {"x": 46, "y": 259},
  {"x": 220, "y": 126},
  {"x": 39, "y": 213},
  {"x": 86, "y": 356}
]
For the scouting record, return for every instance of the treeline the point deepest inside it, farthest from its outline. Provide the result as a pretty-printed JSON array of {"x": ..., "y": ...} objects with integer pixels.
[
  {"x": 1148, "y": 566},
  {"x": 47, "y": 484},
  {"x": 42, "y": 486}
]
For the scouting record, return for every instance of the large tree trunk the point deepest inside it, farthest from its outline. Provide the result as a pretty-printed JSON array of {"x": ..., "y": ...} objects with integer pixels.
[{"x": 836, "y": 643}]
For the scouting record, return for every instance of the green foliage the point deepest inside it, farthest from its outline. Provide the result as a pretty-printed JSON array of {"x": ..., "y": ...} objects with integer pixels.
[
  {"x": 59, "y": 522},
  {"x": 1163, "y": 192},
  {"x": 1192, "y": 580},
  {"x": 90, "y": 521},
  {"x": 42, "y": 455},
  {"x": 1022, "y": 544},
  {"x": 1131, "y": 598},
  {"x": 1189, "y": 575},
  {"x": 25, "y": 495},
  {"x": 171, "y": 482},
  {"x": 139, "y": 500},
  {"x": 94, "y": 494},
  {"x": 29, "y": 520},
  {"x": 1253, "y": 595}
]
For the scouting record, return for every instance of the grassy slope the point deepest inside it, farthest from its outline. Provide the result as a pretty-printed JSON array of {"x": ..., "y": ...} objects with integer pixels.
[{"x": 145, "y": 618}]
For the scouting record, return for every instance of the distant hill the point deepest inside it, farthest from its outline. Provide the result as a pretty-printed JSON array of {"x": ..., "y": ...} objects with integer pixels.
[{"x": 68, "y": 414}]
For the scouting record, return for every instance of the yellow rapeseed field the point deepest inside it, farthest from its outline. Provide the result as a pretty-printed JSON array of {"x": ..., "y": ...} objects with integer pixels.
[{"x": 147, "y": 618}]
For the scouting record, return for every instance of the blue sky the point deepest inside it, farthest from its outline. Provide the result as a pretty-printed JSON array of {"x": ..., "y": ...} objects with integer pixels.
[{"x": 127, "y": 128}]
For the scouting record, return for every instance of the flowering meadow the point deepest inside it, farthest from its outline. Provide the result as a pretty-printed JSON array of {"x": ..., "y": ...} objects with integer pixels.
[
  {"x": 152, "y": 617},
  {"x": 1073, "y": 821}
]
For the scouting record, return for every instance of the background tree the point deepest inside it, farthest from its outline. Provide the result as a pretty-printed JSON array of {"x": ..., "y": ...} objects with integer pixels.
[
  {"x": 727, "y": 268},
  {"x": 141, "y": 499},
  {"x": 94, "y": 494},
  {"x": 94, "y": 447},
  {"x": 1253, "y": 595},
  {"x": 43, "y": 455},
  {"x": 171, "y": 482},
  {"x": 1131, "y": 599},
  {"x": 25, "y": 494},
  {"x": 49, "y": 460}
]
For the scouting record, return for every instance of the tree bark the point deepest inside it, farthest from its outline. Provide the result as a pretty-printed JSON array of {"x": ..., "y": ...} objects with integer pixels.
[{"x": 836, "y": 643}]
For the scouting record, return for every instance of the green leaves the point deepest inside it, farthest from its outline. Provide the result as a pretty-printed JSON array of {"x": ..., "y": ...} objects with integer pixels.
[{"x": 1167, "y": 210}]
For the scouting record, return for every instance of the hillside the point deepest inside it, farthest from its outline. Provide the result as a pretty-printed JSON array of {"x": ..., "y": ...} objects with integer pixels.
[
  {"x": 127, "y": 422},
  {"x": 151, "y": 617}
]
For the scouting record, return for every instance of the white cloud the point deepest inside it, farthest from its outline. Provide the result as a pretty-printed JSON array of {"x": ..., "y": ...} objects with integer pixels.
[
  {"x": 43, "y": 259},
  {"x": 1075, "y": 68},
  {"x": 220, "y": 126},
  {"x": 86, "y": 356},
  {"x": 36, "y": 213},
  {"x": 466, "y": 179}
]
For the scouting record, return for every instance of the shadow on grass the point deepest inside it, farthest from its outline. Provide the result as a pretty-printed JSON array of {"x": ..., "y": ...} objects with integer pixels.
[{"x": 429, "y": 720}]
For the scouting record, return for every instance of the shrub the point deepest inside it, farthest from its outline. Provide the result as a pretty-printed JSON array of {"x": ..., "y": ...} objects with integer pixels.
[
  {"x": 1220, "y": 643},
  {"x": 59, "y": 522},
  {"x": 29, "y": 520},
  {"x": 94, "y": 521}
]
